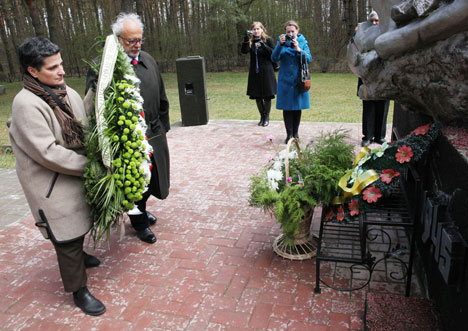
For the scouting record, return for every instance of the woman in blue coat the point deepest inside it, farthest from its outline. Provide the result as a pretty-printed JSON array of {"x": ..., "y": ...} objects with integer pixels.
[{"x": 289, "y": 49}]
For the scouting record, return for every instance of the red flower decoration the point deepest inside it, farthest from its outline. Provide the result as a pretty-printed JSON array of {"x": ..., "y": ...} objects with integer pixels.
[
  {"x": 388, "y": 174},
  {"x": 142, "y": 114},
  {"x": 353, "y": 206},
  {"x": 404, "y": 154},
  {"x": 371, "y": 194},
  {"x": 329, "y": 214},
  {"x": 422, "y": 129},
  {"x": 340, "y": 214}
]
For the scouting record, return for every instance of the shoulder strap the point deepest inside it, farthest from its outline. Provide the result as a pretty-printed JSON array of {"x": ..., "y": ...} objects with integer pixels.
[
  {"x": 304, "y": 64},
  {"x": 55, "y": 97}
]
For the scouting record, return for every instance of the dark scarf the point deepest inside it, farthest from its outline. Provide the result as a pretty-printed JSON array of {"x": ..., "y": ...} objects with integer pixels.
[{"x": 72, "y": 130}]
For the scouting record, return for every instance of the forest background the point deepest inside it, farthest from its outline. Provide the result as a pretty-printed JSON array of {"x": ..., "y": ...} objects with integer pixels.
[{"x": 213, "y": 29}]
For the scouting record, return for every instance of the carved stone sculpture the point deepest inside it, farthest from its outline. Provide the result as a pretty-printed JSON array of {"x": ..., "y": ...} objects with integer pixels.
[{"x": 418, "y": 56}]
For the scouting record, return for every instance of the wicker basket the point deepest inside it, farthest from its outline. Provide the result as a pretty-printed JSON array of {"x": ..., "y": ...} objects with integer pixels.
[{"x": 304, "y": 245}]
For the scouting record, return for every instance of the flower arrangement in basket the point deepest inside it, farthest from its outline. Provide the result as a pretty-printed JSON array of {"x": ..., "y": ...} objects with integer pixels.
[
  {"x": 376, "y": 171},
  {"x": 297, "y": 180},
  {"x": 119, "y": 165}
]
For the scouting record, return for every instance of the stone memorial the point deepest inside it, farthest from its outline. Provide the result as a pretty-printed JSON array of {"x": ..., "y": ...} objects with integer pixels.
[
  {"x": 418, "y": 57},
  {"x": 422, "y": 62}
]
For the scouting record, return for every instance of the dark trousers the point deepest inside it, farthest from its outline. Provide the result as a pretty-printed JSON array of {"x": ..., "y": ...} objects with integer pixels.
[
  {"x": 70, "y": 258},
  {"x": 292, "y": 119},
  {"x": 374, "y": 119},
  {"x": 141, "y": 222}
]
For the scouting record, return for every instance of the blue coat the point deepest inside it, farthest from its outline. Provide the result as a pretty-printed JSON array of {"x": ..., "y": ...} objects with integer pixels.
[{"x": 288, "y": 95}]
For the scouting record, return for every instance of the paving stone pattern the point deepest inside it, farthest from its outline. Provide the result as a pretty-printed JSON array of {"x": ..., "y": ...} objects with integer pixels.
[{"x": 212, "y": 268}]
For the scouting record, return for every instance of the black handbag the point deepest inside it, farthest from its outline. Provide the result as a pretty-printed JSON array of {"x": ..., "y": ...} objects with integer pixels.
[{"x": 304, "y": 77}]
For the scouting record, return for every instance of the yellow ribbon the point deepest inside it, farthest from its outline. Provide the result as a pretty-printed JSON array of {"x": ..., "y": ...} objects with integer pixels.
[{"x": 362, "y": 181}]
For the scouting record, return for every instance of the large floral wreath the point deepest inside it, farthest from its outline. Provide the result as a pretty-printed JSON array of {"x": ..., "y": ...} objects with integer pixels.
[
  {"x": 122, "y": 144},
  {"x": 375, "y": 172}
]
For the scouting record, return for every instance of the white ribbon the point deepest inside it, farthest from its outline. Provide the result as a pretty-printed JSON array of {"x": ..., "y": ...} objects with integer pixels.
[{"x": 106, "y": 72}]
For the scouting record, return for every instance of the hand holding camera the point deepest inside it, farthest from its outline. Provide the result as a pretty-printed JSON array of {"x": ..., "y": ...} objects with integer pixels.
[
  {"x": 287, "y": 37},
  {"x": 247, "y": 35}
]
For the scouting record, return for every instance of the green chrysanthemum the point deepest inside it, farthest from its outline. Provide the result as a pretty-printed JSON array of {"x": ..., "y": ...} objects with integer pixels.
[{"x": 111, "y": 191}]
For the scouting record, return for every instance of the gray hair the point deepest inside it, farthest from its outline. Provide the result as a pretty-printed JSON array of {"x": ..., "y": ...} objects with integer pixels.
[
  {"x": 117, "y": 26},
  {"x": 373, "y": 14},
  {"x": 33, "y": 51}
]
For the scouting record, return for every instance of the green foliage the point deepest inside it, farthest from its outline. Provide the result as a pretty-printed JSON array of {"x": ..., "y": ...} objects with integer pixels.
[
  {"x": 313, "y": 180},
  {"x": 381, "y": 160},
  {"x": 113, "y": 190}
]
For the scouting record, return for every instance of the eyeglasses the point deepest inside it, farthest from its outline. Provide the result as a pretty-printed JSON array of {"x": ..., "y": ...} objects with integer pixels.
[{"x": 133, "y": 41}]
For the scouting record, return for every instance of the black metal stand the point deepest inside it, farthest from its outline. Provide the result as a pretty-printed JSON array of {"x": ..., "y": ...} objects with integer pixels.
[{"x": 353, "y": 243}]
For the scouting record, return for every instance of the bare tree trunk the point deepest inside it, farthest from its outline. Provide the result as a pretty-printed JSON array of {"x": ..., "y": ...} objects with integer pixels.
[
  {"x": 188, "y": 31},
  {"x": 350, "y": 16},
  {"x": 6, "y": 17},
  {"x": 96, "y": 16},
  {"x": 127, "y": 6},
  {"x": 52, "y": 20},
  {"x": 139, "y": 8},
  {"x": 362, "y": 12},
  {"x": 35, "y": 19},
  {"x": 17, "y": 29},
  {"x": 4, "y": 38}
]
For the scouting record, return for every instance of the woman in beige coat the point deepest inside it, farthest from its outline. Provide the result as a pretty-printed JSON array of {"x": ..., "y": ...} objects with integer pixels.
[{"x": 46, "y": 134}]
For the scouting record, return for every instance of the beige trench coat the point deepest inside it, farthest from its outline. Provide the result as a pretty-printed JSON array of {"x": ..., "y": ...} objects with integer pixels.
[{"x": 49, "y": 170}]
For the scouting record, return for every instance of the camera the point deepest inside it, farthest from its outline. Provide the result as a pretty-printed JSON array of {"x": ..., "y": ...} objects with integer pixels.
[
  {"x": 249, "y": 32},
  {"x": 290, "y": 38}
]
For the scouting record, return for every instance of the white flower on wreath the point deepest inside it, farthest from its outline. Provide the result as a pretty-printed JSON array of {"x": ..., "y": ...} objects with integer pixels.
[
  {"x": 133, "y": 79},
  {"x": 282, "y": 154},
  {"x": 273, "y": 177}
]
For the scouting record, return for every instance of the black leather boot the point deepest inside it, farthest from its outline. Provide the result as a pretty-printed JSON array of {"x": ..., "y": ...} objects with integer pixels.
[
  {"x": 266, "y": 121},
  {"x": 88, "y": 303},
  {"x": 90, "y": 261},
  {"x": 267, "y": 105},
  {"x": 262, "y": 120},
  {"x": 260, "y": 110}
]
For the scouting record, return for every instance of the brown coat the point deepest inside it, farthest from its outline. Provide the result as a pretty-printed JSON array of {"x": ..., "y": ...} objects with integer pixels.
[{"x": 48, "y": 169}]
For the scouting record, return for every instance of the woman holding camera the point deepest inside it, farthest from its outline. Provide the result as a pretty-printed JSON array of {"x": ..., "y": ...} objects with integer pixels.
[
  {"x": 262, "y": 81},
  {"x": 290, "y": 50}
]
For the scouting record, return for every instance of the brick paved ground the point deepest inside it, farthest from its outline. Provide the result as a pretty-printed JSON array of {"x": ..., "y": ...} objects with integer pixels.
[{"x": 212, "y": 267}]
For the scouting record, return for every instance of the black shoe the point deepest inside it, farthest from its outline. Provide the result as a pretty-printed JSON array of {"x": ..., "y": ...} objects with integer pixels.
[
  {"x": 266, "y": 120},
  {"x": 379, "y": 141},
  {"x": 90, "y": 261},
  {"x": 365, "y": 142},
  {"x": 287, "y": 139},
  {"x": 296, "y": 136},
  {"x": 88, "y": 303},
  {"x": 151, "y": 218},
  {"x": 147, "y": 236}
]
